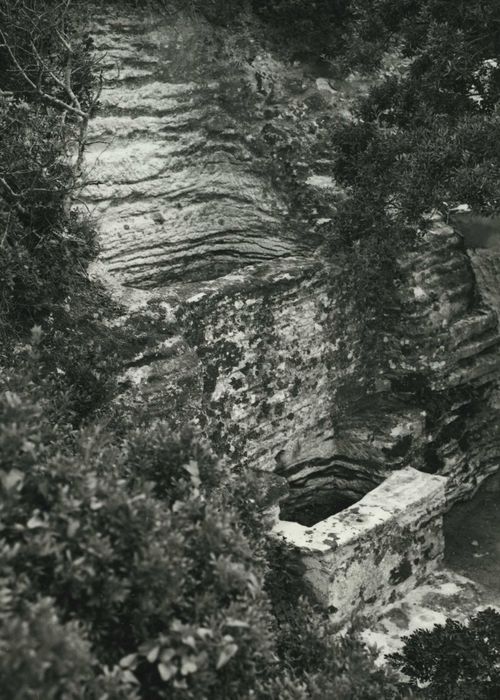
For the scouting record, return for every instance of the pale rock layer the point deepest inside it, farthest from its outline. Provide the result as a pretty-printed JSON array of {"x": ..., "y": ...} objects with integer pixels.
[
  {"x": 376, "y": 551},
  {"x": 172, "y": 182}
]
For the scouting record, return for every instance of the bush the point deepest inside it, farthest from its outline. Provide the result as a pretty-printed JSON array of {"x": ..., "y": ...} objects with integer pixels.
[
  {"x": 45, "y": 249},
  {"x": 421, "y": 142},
  {"x": 40, "y": 657},
  {"x": 454, "y": 661},
  {"x": 312, "y": 29},
  {"x": 138, "y": 552},
  {"x": 137, "y": 571}
]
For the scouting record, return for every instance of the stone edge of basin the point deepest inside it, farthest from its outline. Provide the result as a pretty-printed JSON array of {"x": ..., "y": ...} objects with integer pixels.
[
  {"x": 377, "y": 550},
  {"x": 403, "y": 489}
]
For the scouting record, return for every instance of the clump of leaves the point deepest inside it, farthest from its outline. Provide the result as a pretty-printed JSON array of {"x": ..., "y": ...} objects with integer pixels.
[
  {"x": 455, "y": 661},
  {"x": 423, "y": 141}
]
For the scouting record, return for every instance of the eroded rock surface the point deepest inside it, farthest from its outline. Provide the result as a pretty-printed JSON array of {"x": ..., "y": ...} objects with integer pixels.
[
  {"x": 173, "y": 182},
  {"x": 248, "y": 350}
]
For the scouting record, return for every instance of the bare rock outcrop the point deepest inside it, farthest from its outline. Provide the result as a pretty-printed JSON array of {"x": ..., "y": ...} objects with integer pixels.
[
  {"x": 186, "y": 216},
  {"x": 172, "y": 181}
]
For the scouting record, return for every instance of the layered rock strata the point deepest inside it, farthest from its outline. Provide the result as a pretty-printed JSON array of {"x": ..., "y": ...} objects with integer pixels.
[
  {"x": 238, "y": 327},
  {"x": 251, "y": 361},
  {"x": 172, "y": 180}
]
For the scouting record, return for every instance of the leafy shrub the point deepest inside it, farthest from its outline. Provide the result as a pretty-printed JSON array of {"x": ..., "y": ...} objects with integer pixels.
[
  {"x": 454, "y": 661},
  {"x": 423, "y": 141},
  {"x": 137, "y": 571},
  {"x": 45, "y": 249},
  {"x": 161, "y": 575},
  {"x": 328, "y": 666},
  {"x": 40, "y": 657},
  {"x": 312, "y": 29}
]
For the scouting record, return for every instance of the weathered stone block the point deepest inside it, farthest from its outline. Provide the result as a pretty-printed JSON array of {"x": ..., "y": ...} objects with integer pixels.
[{"x": 377, "y": 550}]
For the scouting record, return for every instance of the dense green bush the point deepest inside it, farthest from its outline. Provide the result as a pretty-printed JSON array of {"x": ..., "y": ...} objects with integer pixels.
[
  {"x": 308, "y": 29},
  {"x": 40, "y": 657},
  {"x": 44, "y": 248},
  {"x": 454, "y": 661},
  {"x": 139, "y": 554},
  {"x": 134, "y": 569}
]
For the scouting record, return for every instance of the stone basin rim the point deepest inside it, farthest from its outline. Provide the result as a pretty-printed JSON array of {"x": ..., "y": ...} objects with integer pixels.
[{"x": 390, "y": 499}]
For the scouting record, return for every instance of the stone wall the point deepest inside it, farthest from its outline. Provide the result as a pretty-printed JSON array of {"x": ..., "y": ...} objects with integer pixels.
[{"x": 376, "y": 551}]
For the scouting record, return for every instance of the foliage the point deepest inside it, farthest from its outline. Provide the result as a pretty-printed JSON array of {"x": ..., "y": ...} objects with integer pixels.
[
  {"x": 150, "y": 566},
  {"x": 455, "y": 661},
  {"x": 44, "y": 59},
  {"x": 47, "y": 94},
  {"x": 422, "y": 141},
  {"x": 40, "y": 657},
  {"x": 44, "y": 248},
  {"x": 312, "y": 29},
  {"x": 137, "y": 571}
]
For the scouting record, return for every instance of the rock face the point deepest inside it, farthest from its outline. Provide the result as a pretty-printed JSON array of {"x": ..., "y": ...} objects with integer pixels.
[
  {"x": 375, "y": 552},
  {"x": 173, "y": 182},
  {"x": 486, "y": 266},
  {"x": 240, "y": 330}
]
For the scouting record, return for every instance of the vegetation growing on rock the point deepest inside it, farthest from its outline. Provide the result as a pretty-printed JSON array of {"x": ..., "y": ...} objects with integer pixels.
[{"x": 423, "y": 141}]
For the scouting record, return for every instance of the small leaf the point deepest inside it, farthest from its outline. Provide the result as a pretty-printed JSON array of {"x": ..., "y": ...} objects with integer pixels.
[
  {"x": 35, "y": 522},
  {"x": 36, "y": 334},
  {"x": 152, "y": 655},
  {"x": 192, "y": 468},
  {"x": 167, "y": 655},
  {"x": 28, "y": 446},
  {"x": 204, "y": 632},
  {"x": 73, "y": 526},
  {"x": 12, "y": 478},
  {"x": 188, "y": 666},
  {"x": 230, "y": 622},
  {"x": 253, "y": 583},
  {"x": 226, "y": 655},
  {"x": 128, "y": 661},
  {"x": 129, "y": 677},
  {"x": 194, "y": 471},
  {"x": 189, "y": 641},
  {"x": 166, "y": 672}
]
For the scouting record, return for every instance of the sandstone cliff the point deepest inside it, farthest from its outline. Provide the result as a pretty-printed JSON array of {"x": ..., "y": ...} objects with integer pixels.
[{"x": 187, "y": 217}]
